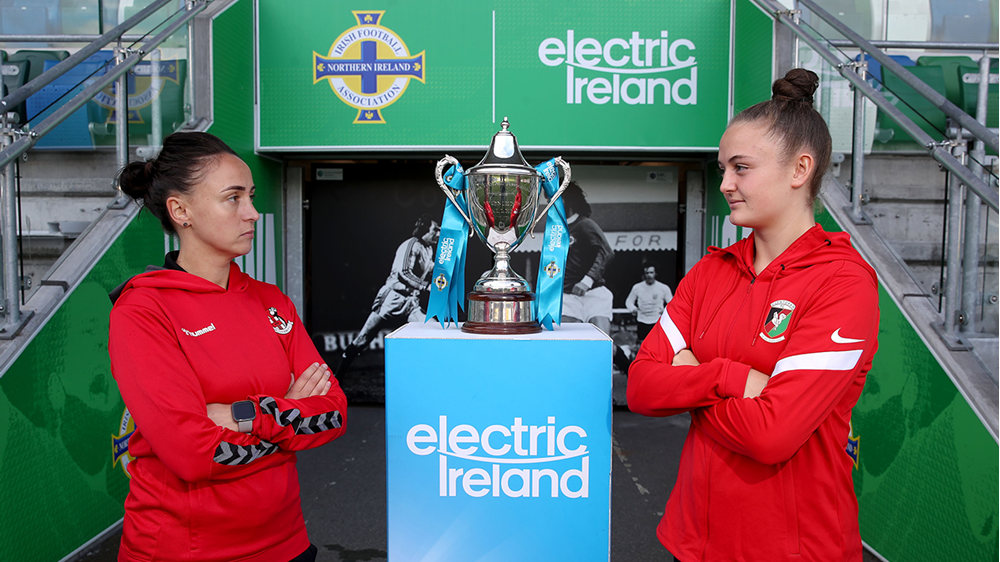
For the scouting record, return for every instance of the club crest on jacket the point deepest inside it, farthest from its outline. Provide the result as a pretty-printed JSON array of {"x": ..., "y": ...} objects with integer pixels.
[
  {"x": 777, "y": 321},
  {"x": 279, "y": 324}
]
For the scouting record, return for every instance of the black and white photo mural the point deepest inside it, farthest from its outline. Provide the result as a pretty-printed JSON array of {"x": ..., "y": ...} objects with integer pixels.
[{"x": 372, "y": 234}]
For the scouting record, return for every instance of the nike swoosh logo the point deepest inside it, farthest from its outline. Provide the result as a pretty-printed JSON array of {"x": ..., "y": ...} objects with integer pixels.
[{"x": 837, "y": 338}]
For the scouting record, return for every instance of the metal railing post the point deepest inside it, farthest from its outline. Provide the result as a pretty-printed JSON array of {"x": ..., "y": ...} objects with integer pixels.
[
  {"x": 27, "y": 140},
  {"x": 952, "y": 288},
  {"x": 11, "y": 307},
  {"x": 970, "y": 288},
  {"x": 6, "y": 173},
  {"x": 934, "y": 148},
  {"x": 930, "y": 94},
  {"x": 796, "y": 14},
  {"x": 157, "y": 127},
  {"x": 858, "y": 148},
  {"x": 47, "y": 77},
  {"x": 189, "y": 89},
  {"x": 11, "y": 277},
  {"x": 121, "y": 110}
]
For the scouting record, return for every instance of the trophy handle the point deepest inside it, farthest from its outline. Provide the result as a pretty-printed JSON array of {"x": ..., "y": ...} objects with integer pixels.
[
  {"x": 438, "y": 171},
  {"x": 567, "y": 176}
]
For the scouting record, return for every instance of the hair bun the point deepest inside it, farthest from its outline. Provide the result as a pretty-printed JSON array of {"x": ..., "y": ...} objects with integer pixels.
[
  {"x": 135, "y": 178},
  {"x": 798, "y": 85}
]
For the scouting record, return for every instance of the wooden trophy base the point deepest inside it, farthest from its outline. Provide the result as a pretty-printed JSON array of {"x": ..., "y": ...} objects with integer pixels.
[{"x": 501, "y": 314}]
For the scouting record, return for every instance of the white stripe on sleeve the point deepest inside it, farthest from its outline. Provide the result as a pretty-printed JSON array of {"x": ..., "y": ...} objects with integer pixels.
[
  {"x": 822, "y": 361},
  {"x": 673, "y": 334}
]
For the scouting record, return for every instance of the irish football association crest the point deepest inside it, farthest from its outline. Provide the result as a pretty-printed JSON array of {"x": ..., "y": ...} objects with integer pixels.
[
  {"x": 368, "y": 67},
  {"x": 143, "y": 88},
  {"x": 119, "y": 443}
]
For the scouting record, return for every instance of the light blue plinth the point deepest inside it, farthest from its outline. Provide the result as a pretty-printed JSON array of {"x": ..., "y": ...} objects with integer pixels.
[{"x": 498, "y": 448}]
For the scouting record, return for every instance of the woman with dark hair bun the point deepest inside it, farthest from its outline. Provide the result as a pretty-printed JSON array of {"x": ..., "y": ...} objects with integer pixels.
[
  {"x": 766, "y": 344},
  {"x": 218, "y": 373}
]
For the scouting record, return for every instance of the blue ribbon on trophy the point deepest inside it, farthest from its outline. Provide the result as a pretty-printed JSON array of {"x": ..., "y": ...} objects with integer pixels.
[
  {"x": 499, "y": 201},
  {"x": 448, "y": 278},
  {"x": 555, "y": 246}
]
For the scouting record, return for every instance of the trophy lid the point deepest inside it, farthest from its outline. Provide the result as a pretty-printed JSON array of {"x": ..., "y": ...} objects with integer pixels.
[{"x": 503, "y": 156}]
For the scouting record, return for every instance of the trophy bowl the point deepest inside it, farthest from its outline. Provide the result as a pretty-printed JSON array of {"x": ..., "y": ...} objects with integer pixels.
[{"x": 502, "y": 193}]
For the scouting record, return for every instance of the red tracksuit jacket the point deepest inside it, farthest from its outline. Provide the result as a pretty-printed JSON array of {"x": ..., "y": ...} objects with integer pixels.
[
  {"x": 764, "y": 479},
  {"x": 200, "y": 492}
]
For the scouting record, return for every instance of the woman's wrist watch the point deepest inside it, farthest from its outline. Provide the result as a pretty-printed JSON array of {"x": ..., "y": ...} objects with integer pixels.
[{"x": 244, "y": 413}]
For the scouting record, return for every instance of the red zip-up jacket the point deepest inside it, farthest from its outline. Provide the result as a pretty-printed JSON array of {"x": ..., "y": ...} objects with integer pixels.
[
  {"x": 200, "y": 492},
  {"x": 764, "y": 479}
]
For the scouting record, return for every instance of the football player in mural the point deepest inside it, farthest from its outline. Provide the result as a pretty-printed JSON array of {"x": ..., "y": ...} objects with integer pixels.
[
  {"x": 585, "y": 296},
  {"x": 767, "y": 344},
  {"x": 646, "y": 301},
  {"x": 404, "y": 289}
]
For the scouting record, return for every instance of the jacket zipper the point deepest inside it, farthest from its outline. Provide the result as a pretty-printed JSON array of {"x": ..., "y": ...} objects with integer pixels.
[
  {"x": 715, "y": 445},
  {"x": 737, "y": 315}
]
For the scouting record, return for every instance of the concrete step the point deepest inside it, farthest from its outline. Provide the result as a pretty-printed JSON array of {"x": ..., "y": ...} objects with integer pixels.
[
  {"x": 61, "y": 194},
  {"x": 905, "y": 200}
]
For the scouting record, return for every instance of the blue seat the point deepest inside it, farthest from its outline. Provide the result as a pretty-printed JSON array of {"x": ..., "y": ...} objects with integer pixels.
[{"x": 74, "y": 132}]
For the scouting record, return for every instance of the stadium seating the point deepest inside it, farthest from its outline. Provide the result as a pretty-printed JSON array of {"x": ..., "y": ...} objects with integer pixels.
[{"x": 915, "y": 106}]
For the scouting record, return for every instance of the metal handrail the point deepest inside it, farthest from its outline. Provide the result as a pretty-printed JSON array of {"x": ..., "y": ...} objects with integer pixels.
[
  {"x": 951, "y": 110},
  {"x": 125, "y": 59},
  {"x": 29, "y": 139},
  {"x": 961, "y": 287},
  {"x": 931, "y": 45},
  {"x": 67, "y": 38},
  {"x": 937, "y": 150},
  {"x": 24, "y": 92}
]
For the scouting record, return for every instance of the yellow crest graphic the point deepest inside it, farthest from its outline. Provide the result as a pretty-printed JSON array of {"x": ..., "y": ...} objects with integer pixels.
[{"x": 368, "y": 67}]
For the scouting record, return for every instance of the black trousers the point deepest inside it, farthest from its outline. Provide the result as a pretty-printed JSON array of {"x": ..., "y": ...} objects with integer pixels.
[
  {"x": 643, "y": 330},
  {"x": 308, "y": 556}
]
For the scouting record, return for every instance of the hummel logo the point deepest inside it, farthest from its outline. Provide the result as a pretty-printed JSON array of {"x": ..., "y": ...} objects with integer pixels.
[
  {"x": 205, "y": 330},
  {"x": 837, "y": 338}
]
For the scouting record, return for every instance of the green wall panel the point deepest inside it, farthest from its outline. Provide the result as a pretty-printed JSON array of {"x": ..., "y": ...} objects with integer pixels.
[
  {"x": 469, "y": 45},
  {"x": 59, "y": 405},
  {"x": 927, "y": 467},
  {"x": 753, "y": 40},
  {"x": 59, "y": 408},
  {"x": 233, "y": 90}
]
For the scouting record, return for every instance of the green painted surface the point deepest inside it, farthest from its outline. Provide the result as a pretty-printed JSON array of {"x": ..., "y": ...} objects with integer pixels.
[
  {"x": 454, "y": 105},
  {"x": 59, "y": 405},
  {"x": 59, "y": 408},
  {"x": 927, "y": 468},
  {"x": 233, "y": 119},
  {"x": 753, "y": 39}
]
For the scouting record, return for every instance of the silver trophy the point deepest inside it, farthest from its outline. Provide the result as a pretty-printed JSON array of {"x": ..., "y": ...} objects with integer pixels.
[{"x": 502, "y": 196}]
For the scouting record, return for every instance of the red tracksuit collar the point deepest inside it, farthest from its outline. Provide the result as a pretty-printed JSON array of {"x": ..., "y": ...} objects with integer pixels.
[
  {"x": 179, "y": 279},
  {"x": 813, "y": 247}
]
